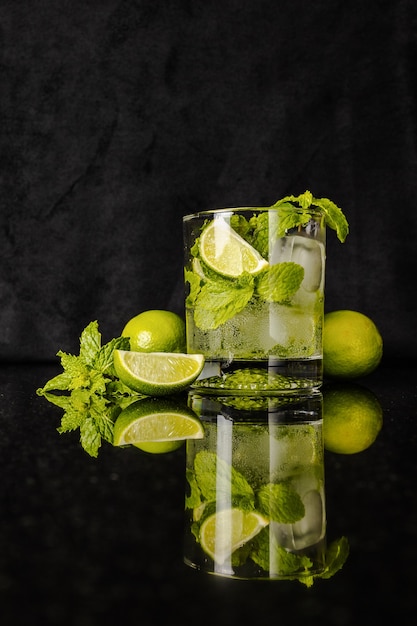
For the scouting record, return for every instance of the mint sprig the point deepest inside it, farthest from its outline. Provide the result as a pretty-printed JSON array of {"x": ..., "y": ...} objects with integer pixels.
[
  {"x": 307, "y": 205},
  {"x": 88, "y": 389}
]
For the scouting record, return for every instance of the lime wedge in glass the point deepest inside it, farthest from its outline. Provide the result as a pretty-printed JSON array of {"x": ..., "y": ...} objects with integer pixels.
[
  {"x": 227, "y": 253},
  {"x": 225, "y": 531}
]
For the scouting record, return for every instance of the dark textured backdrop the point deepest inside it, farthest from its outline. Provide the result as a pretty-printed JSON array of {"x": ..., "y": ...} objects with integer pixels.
[{"x": 118, "y": 117}]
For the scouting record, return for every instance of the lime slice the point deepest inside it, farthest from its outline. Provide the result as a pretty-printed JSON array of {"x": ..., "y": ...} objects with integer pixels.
[
  {"x": 227, "y": 253},
  {"x": 157, "y": 373},
  {"x": 156, "y": 421},
  {"x": 225, "y": 531}
]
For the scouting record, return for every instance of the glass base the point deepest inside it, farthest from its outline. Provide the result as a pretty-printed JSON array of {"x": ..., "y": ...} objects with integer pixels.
[{"x": 260, "y": 377}]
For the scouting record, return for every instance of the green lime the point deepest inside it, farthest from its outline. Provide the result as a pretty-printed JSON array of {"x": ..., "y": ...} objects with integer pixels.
[
  {"x": 157, "y": 373},
  {"x": 156, "y": 331},
  {"x": 151, "y": 421},
  {"x": 225, "y": 531},
  {"x": 352, "y": 345},
  {"x": 227, "y": 253},
  {"x": 352, "y": 418}
]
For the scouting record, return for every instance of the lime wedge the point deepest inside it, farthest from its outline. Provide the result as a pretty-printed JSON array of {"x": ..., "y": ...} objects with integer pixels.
[
  {"x": 227, "y": 253},
  {"x": 151, "y": 421},
  {"x": 157, "y": 373},
  {"x": 225, "y": 531}
]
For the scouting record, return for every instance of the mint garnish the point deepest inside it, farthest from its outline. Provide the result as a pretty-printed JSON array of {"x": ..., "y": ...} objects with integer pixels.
[
  {"x": 88, "y": 389},
  {"x": 281, "y": 503},
  {"x": 332, "y": 214},
  {"x": 215, "y": 478}
]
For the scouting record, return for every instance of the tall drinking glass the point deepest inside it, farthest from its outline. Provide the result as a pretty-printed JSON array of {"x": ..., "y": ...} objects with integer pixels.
[{"x": 255, "y": 298}]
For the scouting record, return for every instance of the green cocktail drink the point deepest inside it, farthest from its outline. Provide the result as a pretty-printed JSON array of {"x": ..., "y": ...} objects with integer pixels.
[
  {"x": 255, "y": 298},
  {"x": 255, "y": 505}
]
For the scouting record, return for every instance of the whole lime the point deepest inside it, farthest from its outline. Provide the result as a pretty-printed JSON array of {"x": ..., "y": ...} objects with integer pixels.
[
  {"x": 156, "y": 330},
  {"x": 352, "y": 345},
  {"x": 352, "y": 418}
]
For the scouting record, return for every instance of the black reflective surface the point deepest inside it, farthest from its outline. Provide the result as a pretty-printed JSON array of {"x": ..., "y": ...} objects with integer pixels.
[{"x": 86, "y": 541}]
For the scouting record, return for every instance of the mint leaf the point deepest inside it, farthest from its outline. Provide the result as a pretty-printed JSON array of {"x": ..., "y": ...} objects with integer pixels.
[
  {"x": 90, "y": 438},
  {"x": 280, "y": 502},
  {"x": 71, "y": 420},
  {"x": 75, "y": 369},
  {"x": 194, "y": 280},
  {"x": 334, "y": 217},
  {"x": 336, "y": 556},
  {"x": 278, "y": 283},
  {"x": 266, "y": 550},
  {"x": 262, "y": 235},
  {"x": 60, "y": 382},
  {"x": 216, "y": 478},
  {"x": 90, "y": 342},
  {"x": 193, "y": 500},
  {"x": 220, "y": 300},
  {"x": 103, "y": 359}
]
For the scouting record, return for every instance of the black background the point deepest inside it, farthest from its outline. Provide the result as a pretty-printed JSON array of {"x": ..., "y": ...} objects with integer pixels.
[{"x": 118, "y": 117}]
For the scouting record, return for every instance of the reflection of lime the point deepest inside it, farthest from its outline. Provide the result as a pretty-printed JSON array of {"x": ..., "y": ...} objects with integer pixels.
[
  {"x": 352, "y": 418},
  {"x": 156, "y": 420},
  {"x": 159, "y": 447},
  {"x": 225, "y": 531},
  {"x": 156, "y": 331},
  {"x": 157, "y": 373},
  {"x": 227, "y": 253},
  {"x": 352, "y": 345}
]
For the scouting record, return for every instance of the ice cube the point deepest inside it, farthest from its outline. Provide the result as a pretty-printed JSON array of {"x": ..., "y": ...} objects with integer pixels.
[
  {"x": 306, "y": 252},
  {"x": 311, "y": 528},
  {"x": 307, "y": 531},
  {"x": 310, "y": 254}
]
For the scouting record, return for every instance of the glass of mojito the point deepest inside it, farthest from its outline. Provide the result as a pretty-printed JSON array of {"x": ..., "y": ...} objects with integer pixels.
[
  {"x": 255, "y": 294},
  {"x": 255, "y": 499}
]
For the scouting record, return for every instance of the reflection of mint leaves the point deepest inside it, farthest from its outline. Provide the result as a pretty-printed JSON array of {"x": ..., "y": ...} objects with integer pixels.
[
  {"x": 215, "y": 483},
  {"x": 336, "y": 555},
  {"x": 266, "y": 550},
  {"x": 217, "y": 479},
  {"x": 281, "y": 503},
  {"x": 285, "y": 563},
  {"x": 88, "y": 389}
]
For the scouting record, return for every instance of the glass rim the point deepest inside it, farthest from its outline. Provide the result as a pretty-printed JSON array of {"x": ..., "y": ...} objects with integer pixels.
[{"x": 230, "y": 210}]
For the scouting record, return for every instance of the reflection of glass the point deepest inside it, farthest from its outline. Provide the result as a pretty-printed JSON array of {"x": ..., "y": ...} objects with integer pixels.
[
  {"x": 255, "y": 500},
  {"x": 255, "y": 299}
]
